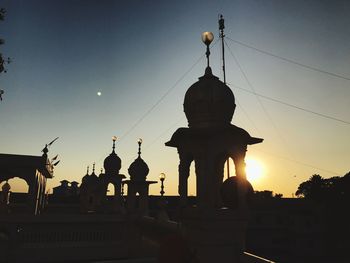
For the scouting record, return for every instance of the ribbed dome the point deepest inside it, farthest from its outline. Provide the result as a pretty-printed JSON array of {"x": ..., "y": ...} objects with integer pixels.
[
  {"x": 112, "y": 163},
  {"x": 138, "y": 170},
  {"x": 209, "y": 102}
]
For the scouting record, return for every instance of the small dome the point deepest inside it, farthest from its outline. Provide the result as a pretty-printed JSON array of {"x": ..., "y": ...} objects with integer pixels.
[
  {"x": 138, "y": 170},
  {"x": 209, "y": 102},
  {"x": 112, "y": 163},
  {"x": 93, "y": 179},
  {"x": 85, "y": 177}
]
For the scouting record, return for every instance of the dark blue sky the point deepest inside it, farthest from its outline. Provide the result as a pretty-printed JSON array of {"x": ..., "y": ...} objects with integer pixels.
[{"x": 133, "y": 52}]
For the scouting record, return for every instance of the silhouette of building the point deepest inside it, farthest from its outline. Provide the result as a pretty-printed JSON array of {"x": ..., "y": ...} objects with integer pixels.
[
  {"x": 66, "y": 189},
  {"x": 96, "y": 227},
  {"x": 35, "y": 170}
]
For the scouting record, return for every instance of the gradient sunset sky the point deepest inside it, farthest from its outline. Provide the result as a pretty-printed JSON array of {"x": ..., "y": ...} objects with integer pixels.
[{"x": 136, "y": 53}]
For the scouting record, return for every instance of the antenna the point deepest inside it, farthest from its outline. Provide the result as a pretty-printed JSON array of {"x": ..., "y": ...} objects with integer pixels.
[{"x": 222, "y": 35}]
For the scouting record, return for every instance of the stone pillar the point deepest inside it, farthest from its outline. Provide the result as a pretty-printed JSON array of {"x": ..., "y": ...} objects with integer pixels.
[{"x": 184, "y": 173}]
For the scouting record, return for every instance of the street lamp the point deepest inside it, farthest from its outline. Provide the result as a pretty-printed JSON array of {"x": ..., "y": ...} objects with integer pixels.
[{"x": 162, "y": 178}]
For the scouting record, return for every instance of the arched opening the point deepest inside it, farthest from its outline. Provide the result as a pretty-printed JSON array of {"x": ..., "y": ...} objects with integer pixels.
[
  {"x": 18, "y": 197},
  {"x": 229, "y": 170},
  {"x": 192, "y": 184},
  {"x": 18, "y": 185},
  {"x": 110, "y": 190}
]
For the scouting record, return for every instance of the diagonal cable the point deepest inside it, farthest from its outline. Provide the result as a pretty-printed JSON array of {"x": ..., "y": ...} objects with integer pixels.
[
  {"x": 292, "y": 105},
  {"x": 290, "y": 60}
]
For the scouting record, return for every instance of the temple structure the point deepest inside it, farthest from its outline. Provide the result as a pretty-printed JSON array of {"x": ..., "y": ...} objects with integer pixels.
[
  {"x": 138, "y": 171},
  {"x": 93, "y": 189},
  {"x": 35, "y": 170},
  {"x": 210, "y": 140},
  {"x": 110, "y": 229}
]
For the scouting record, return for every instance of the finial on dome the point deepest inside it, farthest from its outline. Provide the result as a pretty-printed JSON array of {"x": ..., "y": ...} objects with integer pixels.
[
  {"x": 87, "y": 170},
  {"x": 114, "y": 138},
  {"x": 93, "y": 168},
  {"x": 207, "y": 38},
  {"x": 139, "y": 141},
  {"x": 208, "y": 71}
]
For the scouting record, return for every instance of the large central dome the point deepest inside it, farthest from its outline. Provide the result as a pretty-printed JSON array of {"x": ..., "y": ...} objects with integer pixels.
[{"x": 209, "y": 102}]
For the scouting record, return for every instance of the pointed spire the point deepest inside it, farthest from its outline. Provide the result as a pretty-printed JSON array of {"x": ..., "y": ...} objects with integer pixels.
[
  {"x": 93, "y": 167},
  {"x": 114, "y": 138},
  {"x": 139, "y": 141},
  {"x": 87, "y": 170}
]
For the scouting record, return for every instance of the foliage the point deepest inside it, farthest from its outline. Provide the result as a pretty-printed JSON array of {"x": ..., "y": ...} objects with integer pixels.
[
  {"x": 320, "y": 189},
  {"x": 2, "y": 41},
  {"x": 266, "y": 194}
]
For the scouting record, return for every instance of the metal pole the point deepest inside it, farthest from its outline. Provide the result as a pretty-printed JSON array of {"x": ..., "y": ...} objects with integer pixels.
[
  {"x": 162, "y": 187},
  {"x": 222, "y": 35}
]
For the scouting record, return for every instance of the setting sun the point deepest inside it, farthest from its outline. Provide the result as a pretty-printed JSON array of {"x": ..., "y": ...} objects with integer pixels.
[{"x": 254, "y": 170}]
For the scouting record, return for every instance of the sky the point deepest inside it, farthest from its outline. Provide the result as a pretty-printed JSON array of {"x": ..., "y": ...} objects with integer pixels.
[{"x": 143, "y": 56}]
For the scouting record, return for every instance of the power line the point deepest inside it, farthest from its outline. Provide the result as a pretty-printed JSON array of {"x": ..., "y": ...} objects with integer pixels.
[
  {"x": 163, "y": 133},
  {"x": 163, "y": 96},
  {"x": 160, "y": 99},
  {"x": 246, "y": 114},
  {"x": 299, "y": 162},
  {"x": 292, "y": 105},
  {"x": 258, "y": 98},
  {"x": 290, "y": 60}
]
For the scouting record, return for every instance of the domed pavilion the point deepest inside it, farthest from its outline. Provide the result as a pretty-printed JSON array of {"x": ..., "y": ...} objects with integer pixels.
[{"x": 210, "y": 140}]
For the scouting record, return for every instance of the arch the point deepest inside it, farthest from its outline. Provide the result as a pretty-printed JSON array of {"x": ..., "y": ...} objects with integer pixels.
[
  {"x": 110, "y": 189},
  {"x": 18, "y": 185}
]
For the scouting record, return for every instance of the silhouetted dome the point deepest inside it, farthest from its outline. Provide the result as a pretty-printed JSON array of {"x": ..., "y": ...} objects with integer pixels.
[
  {"x": 85, "y": 178},
  {"x": 92, "y": 179},
  {"x": 209, "y": 102},
  {"x": 138, "y": 170},
  {"x": 112, "y": 163},
  {"x": 229, "y": 191}
]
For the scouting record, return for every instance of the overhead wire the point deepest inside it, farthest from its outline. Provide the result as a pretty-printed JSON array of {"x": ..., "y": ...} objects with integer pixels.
[
  {"x": 299, "y": 162},
  {"x": 259, "y": 100},
  {"x": 159, "y": 100},
  {"x": 290, "y": 60},
  {"x": 239, "y": 104},
  {"x": 163, "y": 96},
  {"x": 291, "y": 105}
]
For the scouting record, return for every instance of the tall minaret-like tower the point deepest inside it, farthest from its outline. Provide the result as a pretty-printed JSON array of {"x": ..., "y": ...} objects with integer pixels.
[{"x": 209, "y": 140}]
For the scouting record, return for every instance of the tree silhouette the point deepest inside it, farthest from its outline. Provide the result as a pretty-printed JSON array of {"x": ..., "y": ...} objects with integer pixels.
[
  {"x": 2, "y": 41},
  {"x": 320, "y": 189}
]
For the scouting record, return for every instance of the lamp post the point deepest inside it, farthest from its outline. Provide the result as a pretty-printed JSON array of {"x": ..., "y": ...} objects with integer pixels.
[
  {"x": 162, "y": 178},
  {"x": 207, "y": 38}
]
